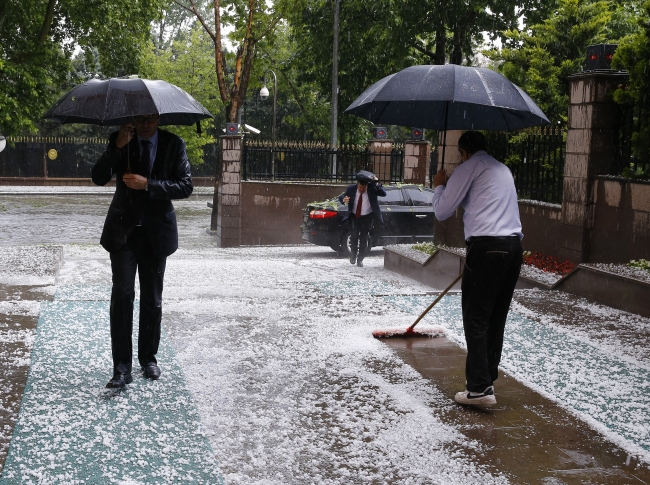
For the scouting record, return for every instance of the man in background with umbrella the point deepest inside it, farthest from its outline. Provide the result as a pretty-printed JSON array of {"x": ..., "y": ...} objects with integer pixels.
[
  {"x": 363, "y": 209},
  {"x": 151, "y": 169},
  {"x": 486, "y": 190}
]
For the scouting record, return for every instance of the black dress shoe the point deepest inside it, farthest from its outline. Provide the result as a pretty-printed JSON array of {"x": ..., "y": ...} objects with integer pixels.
[
  {"x": 360, "y": 263},
  {"x": 119, "y": 381},
  {"x": 151, "y": 371},
  {"x": 353, "y": 259}
]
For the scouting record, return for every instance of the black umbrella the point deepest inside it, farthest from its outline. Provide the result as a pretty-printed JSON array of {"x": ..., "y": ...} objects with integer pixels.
[
  {"x": 448, "y": 97},
  {"x": 116, "y": 101}
]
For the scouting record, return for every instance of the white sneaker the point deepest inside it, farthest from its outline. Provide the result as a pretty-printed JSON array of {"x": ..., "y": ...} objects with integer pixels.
[{"x": 485, "y": 398}]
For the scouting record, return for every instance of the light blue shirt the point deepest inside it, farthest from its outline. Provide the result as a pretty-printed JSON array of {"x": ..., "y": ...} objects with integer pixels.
[
  {"x": 152, "y": 147},
  {"x": 484, "y": 187}
]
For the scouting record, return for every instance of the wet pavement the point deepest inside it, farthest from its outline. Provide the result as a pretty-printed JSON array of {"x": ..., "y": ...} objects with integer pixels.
[{"x": 275, "y": 348}]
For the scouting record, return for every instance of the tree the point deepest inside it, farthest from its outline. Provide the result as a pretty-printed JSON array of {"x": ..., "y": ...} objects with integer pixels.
[
  {"x": 252, "y": 21},
  {"x": 187, "y": 63},
  {"x": 541, "y": 58},
  {"x": 383, "y": 37},
  {"x": 37, "y": 40},
  {"x": 633, "y": 55}
]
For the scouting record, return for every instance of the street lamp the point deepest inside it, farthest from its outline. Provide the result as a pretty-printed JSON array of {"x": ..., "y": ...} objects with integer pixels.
[{"x": 264, "y": 94}]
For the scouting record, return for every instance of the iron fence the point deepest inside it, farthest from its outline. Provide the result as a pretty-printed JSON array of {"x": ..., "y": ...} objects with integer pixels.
[
  {"x": 318, "y": 162},
  {"x": 54, "y": 157},
  {"x": 31, "y": 156},
  {"x": 536, "y": 158},
  {"x": 630, "y": 141}
]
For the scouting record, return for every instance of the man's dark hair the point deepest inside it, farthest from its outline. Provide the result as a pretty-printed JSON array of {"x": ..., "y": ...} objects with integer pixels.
[{"x": 472, "y": 142}]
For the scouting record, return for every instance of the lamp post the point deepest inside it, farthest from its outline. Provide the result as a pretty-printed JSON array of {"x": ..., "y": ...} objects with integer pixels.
[
  {"x": 335, "y": 87},
  {"x": 264, "y": 94}
]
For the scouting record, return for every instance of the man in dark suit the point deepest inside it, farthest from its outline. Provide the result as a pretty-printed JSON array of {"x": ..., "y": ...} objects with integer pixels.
[
  {"x": 151, "y": 169},
  {"x": 363, "y": 210}
]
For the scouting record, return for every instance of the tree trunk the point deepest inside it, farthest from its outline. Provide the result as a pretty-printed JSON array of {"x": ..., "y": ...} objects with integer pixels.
[{"x": 47, "y": 22}]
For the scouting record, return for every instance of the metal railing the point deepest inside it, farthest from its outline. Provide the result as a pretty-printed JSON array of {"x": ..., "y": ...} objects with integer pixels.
[
  {"x": 318, "y": 162},
  {"x": 57, "y": 157},
  {"x": 536, "y": 158},
  {"x": 631, "y": 144}
]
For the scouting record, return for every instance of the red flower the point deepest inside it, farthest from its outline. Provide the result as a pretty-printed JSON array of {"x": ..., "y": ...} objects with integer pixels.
[{"x": 550, "y": 264}]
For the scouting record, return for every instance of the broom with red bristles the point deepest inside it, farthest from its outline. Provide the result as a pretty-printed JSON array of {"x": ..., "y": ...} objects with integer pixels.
[{"x": 410, "y": 332}]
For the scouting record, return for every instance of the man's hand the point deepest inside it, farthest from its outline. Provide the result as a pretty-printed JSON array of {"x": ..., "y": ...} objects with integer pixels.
[
  {"x": 440, "y": 178},
  {"x": 346, "y": 199},
  {"x": 125, "y": 135},
  {"x": 134, "y": 181}
]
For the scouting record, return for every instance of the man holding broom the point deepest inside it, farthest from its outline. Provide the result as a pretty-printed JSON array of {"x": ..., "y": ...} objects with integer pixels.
[{"x": 484, "y": 187}]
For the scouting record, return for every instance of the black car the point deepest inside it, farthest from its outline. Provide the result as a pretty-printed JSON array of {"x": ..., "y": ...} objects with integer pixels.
[{"x": 406, "y": 209}]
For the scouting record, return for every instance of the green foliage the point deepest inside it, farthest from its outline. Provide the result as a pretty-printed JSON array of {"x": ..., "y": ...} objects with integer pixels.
[
  {"x": 188, "y": 63},
  {"x": 633, "y": 55},
  {"x": 37, "y": 40},
  {"x": 426, "y": 247},
  {"x": 641, "y": 264},
  {"x": 541, "y": 58}
]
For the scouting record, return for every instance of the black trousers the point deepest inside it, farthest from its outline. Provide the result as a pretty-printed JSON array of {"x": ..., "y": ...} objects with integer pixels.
[
  {"x": 136, "y": 254},
  {"x": 360, "y": 235},
  {"x": 489, "y": 277}
]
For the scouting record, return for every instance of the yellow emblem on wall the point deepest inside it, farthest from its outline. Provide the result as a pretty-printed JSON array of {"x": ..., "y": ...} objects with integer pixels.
[{"x": 52, "y": 154}]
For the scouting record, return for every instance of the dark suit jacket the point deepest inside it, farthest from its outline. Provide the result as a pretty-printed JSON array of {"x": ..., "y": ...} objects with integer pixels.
[
  {"x": 374, "y": 191},
  {"x": 170, "y": 179}
]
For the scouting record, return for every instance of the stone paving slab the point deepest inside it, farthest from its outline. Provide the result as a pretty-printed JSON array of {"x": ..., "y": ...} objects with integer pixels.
[
  {"x": 71, "y": 429},
  {"x": 608, "y": 391}
]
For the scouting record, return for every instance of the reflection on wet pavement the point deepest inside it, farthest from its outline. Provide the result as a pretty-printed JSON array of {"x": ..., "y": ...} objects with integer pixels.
[{"x": 528, "y": 437}]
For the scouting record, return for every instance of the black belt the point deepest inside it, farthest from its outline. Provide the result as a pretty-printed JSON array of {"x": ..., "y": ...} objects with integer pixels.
[{"x": 474, "y": 239}]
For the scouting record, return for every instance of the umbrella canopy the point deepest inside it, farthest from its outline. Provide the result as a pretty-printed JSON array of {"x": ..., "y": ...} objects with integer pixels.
[
  {"x": 117, "y": 101},
  {"x": 448, "y": 97}
]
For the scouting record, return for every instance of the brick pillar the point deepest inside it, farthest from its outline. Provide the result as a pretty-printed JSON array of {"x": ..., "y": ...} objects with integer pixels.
[
  {"x": 226, "y": 208},
  {"x": 593, "y": 122},
  {"x": 416, "y": 162},
  {"x": 448, "y": 232},
  {"x": 380, "y": 151}
]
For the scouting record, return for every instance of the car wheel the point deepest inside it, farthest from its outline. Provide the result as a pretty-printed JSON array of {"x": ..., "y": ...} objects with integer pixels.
[{"x": 348, "y": 244}]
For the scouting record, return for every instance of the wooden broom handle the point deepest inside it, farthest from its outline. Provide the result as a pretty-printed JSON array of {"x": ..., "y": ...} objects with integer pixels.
[{"x": 444, "y": 292}]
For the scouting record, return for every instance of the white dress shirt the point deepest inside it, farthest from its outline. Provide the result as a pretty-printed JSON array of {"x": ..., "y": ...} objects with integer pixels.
[
  {"x": 366, "y": 208},
  {"x": 484, "y": 187}
]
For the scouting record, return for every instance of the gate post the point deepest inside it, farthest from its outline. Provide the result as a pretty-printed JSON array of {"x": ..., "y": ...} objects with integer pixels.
[
  {"x": 226, "y": 207},
  {"x": 593, "y": 123},
  {"x": 380, "y": 155},
  {"x": 416, "y": 161}
]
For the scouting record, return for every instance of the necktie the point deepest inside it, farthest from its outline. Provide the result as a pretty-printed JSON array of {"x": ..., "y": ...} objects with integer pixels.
[
  {"x": 358, "y": 212},
  {"x": 145, "y": 157}
]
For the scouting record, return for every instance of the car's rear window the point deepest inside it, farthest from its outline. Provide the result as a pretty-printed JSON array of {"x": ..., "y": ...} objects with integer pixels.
[
  {"x": 420, "y": 197},
  {"x": 393, "y": 197}
]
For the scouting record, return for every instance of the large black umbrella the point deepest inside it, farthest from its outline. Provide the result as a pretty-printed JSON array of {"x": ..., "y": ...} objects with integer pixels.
[
  {"x": 448, "y": 97},
  {"x": 116, "y": 101}
]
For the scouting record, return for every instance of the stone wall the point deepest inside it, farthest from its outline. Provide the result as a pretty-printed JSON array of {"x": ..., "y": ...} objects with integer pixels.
[
  {"x": 272, "y": 211},
  {"x": 621, "y": 221}
]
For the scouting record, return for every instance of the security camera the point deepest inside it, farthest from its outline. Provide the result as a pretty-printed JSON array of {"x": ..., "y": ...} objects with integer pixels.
[
  {"x": 252, "y": 129},
  {"x": 264, "y": 92}
]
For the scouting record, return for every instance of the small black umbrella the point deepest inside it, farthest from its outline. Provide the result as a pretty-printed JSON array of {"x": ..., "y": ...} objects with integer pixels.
[
  {"x": 448, "y": 97},
  {"x": 116, "y": 101}
]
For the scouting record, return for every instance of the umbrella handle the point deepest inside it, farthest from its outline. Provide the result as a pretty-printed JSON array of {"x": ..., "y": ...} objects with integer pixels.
[{"x": 444, "y": 137}]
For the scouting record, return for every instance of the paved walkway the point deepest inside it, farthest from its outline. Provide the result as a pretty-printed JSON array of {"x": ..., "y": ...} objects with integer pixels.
[
  {"x": 72, "y": 430},
  {"x": 272, "y": 348}
]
